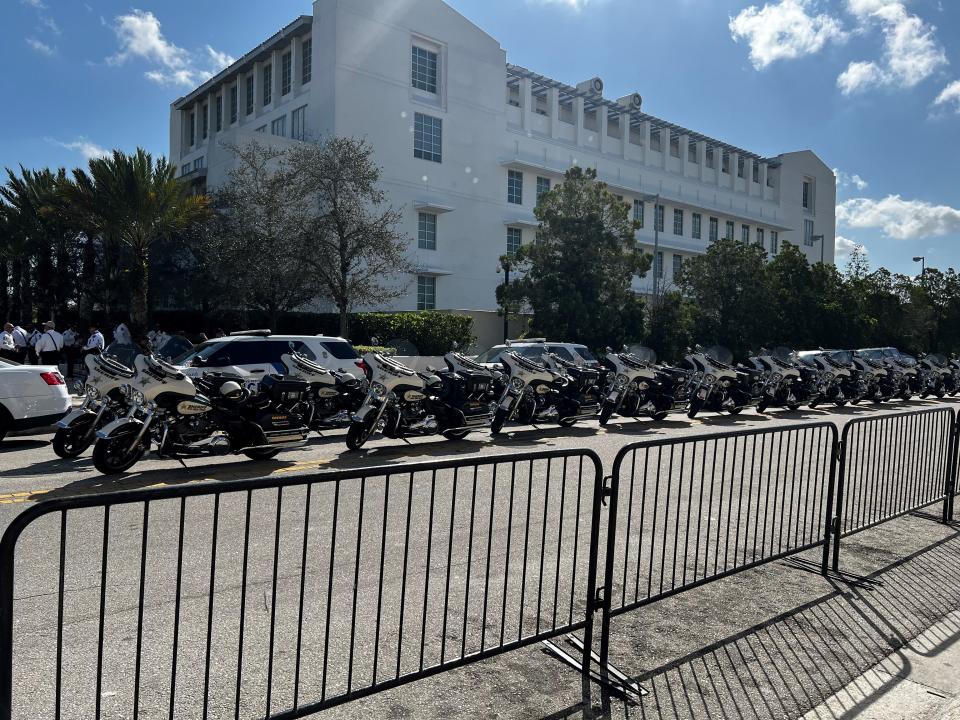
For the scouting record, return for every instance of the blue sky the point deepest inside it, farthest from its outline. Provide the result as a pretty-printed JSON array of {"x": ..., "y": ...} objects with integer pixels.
[{"x": 872, "y": 86}]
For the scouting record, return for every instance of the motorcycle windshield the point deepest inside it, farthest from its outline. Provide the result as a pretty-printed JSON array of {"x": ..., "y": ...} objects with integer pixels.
[
  {"x": 938, "y": 359},
  {"x": 123, "y": 353},
  {"x": 783, "y": 353},
  {"x": 174, "y": 347},
  {"x": 720, "y": 354},
  {"x": 844, "y": 357},
  {"x": 647, "y": 355}
]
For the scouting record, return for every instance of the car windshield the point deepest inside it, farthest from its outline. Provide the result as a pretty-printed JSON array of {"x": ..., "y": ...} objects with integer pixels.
[
  {"x": 492, "y": 355},
  {"x": 340, "y": 350},
  {"x": 203, "y": 352}
]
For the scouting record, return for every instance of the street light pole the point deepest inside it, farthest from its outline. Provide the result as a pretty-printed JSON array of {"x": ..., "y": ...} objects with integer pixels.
[
  {"x": 505, "y": 266},
  {"x": 656, "y": 246},
  {"x": 923, "y": 265}
]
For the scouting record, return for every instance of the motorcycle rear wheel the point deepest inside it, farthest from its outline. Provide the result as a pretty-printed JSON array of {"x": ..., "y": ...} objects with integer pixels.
[{"x": 71, "y": 442}]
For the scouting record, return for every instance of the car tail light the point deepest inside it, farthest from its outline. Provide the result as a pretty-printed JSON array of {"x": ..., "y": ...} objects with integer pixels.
[
  {"x": 363, "y": 366},
  {"x": 52, "y": 378}
]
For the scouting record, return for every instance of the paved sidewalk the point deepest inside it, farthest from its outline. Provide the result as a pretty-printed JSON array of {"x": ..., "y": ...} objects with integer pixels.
[{"x": 919, "y": 681}]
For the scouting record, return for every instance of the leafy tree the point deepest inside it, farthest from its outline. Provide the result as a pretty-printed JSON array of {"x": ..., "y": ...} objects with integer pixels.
[
  {"x": 577, "y": 276},
  {"x": 727, "y": 286},
  {"x": 354, "y": 249},
  {"x": 253, "y": 250},
  {"x": 670, "y": 328},
  {"x": 137, "y": 201}
]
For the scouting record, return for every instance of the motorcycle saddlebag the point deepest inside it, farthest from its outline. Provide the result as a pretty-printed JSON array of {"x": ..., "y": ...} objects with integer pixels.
[{"x": 282, "y": 389}]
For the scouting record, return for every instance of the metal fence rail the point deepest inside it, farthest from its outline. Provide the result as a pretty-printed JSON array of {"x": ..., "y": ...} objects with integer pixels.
[
  {"x": 893, "y": 465},
  {"x": 275, "y": 599}
]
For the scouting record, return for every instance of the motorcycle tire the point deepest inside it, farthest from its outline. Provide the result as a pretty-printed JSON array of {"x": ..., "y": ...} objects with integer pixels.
[
  {"x": 793, "y": 406},
  {"x": 940, "y": 393},
  {"x": 360, "y": 432},
  {"x": 762, "y": 406},
  {"x": 696, "y": 405},
  {"x": 841, "y": 403},
  {"x": 107, "y": 458},
  {"x": 499, "y": 418},
  {"x": 813, "y": 404},
  {"x": 660, "y": 416},
  {"x": 735, "y": 410},
  {"x": 456, "y": 434},
  {"x": 606, "y": 412},
  {"x": 906, "y": 395},
  {"x": 70, "y": 442},
  {"x": 567, "y": 422},
  {"x": 261, "y": 454}
]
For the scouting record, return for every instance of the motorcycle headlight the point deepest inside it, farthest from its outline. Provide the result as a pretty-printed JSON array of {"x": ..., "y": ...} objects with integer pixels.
[
  {"x": 126, "y": 391},
  {"x": 709, "y": 379},
  {"x": 517, "y": 383},
  {"x": 378, "y": 390},
  {"x": 829, "y": 377},
  {"x": 622, "y": 380},
  {"x": 777, "y": 377},
  {"x": 644, "y": 386},
  {"x": 138, "y": 397},
  {"x": 697, "y": 377},
  {"x": 91, "y": 392}
]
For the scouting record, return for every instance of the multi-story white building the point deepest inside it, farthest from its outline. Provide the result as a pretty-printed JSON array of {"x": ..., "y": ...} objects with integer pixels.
[{"x": 467, "y": 142}]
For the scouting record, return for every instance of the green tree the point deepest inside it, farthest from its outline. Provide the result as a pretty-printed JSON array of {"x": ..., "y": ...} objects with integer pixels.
[
  {"x": 576, "y": 278},
  {"x": 728, "y": 287},
  {"x": 670, "y": 329},
  {"x": 137, "y": 201}
]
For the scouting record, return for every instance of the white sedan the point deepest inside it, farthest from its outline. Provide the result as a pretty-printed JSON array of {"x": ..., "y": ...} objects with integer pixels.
[{"x": 31, "y": 396}]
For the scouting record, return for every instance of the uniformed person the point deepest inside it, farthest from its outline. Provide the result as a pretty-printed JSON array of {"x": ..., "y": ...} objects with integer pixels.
[{"x": 49, "y": 346}]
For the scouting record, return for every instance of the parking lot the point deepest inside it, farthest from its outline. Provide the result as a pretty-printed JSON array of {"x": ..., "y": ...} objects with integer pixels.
[{"x": 278, "y": 529}]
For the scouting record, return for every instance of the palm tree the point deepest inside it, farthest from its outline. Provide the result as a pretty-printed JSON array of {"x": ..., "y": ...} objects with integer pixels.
[{"x": 135, "y": 201}]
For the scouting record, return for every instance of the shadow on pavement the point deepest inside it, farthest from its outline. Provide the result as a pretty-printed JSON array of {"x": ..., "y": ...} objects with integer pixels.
[{"x": 7, "y": 447}]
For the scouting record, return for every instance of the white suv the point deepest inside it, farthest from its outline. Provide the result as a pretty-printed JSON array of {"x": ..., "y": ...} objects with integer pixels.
[
  {"x": 255, "y": 354},
  {"x": 534, "y": 348},
  {"x": 31, "y": 396}
]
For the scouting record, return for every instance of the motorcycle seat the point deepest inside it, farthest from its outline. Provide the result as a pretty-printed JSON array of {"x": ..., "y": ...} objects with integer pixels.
[{"x": 431, "y": 379}]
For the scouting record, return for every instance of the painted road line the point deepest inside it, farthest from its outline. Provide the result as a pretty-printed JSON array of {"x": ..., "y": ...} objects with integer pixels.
[{"x": 20, "y": 497}]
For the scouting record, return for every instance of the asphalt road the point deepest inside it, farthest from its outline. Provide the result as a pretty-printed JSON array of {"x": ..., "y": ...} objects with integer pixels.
[{"x": 396, "y": 571}]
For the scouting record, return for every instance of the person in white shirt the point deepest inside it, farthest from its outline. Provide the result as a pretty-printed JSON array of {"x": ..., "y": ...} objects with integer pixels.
[
  {"x": 32, "y": 339},
  {"x": 95, "y": 342},
  {"x": 8, "y": 348},
  {"x": 49, "y": 347},
  {"x": 121, "y": 334},
  {"x": 20, "y": 343}
]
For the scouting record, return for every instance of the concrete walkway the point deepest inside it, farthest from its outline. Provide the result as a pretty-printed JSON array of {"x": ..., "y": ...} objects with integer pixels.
[{"x": 920, "y": 681}]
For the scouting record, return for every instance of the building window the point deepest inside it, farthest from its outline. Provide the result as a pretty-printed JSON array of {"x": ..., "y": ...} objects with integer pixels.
[
  {"x": 696, "y": 226},
  {"x": 677, "y": 221},
  {"x": 756, "y": 171},
  {"x": 638, "y": 212},
  {"x": 745, "y": 234},
  {"x": 249, "y": 94},
  {"x": 658, "y": 218},
  {"x": 267, "y": 84},
  {"x": 233, "y": 104},
  {"x": 426, "y": 292},
  {"x": 760, "y": 237},
  {"x": 427, "y": 231},
  {"x": 692, "y": 152},
  {"x": 427, "y": 137},
  {"x": 515, "y": 187},
  {"x": 219, "y": 115},
  {"x": 514, "y": 240},
  {"x": 286, "y": 70},
  {"x": 424, "y": 70},
  {"x": 710, "y": 160},
  {"x": 674, "y": 146},
  {"x": 185, "y": 169},
  {"x": 655, "y": 140},
  {"x": 725, "y": 163},
  {"x": 658, "y": 265},
  {"x": 307, "y": 61},
  {"x": 807, "y": 194},
  {"x": 261, "y": 129},
  {"x": 198, "y": 164},
  {"x": 543, "y": 186},
  {"x": 298, "y": 123},
  {"x": 808, "y": 233},
  {"x": 740, "y": 163},
  {"x": 774, "y": 242},
  {"x": 729, "y": 233},
  {"x": 204, "y": 121},
  {"x": 193, "y": 128},
  {"x": 677, "y": 264},
  {"x": 279, "y": 126},
  {"x": 714, "y": 230}
]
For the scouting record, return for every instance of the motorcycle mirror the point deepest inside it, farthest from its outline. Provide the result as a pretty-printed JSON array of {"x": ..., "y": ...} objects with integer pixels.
[
  {"x": 290, "y": 345},
  {"x": 609, "y": 349},
  {"x": 375, "y": 340},
  {"x": 455, "y": 345}
]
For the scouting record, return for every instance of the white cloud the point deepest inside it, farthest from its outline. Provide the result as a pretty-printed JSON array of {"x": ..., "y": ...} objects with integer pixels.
[
  {"x": 784, "y": 30},
  {"x": 575, "y": 5},
  {"x": 846, "y": 246},
  {"x": 848, "y": 180},
  {"x": 950, "y": 94},
  {"x": 82, "y": 145},
  {"x": 140, "y": 36},
  {"x": 41, "y": 47},
  {"x": 911, "y": 51},
  {"x": 38, "y": 4},
  {"x": 898, "y": 218}
]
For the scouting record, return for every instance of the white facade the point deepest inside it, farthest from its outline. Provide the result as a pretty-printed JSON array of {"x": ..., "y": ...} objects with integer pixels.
[{"x": 389, "y": 71}]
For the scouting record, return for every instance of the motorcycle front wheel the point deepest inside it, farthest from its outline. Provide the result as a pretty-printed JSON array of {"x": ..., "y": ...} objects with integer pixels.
[
  {"x": 456, "y": 434},
  {"x": 606, "y": 412},
  {"x": 71, "y": 442},
  {"x": 696, "y": 405},
  {"x": 499, "y": 418},
  {"x": 111, "y": 456},
  {"x": 736, "y": 410},
  {"x": 261, "y": 454},
  {"x": 360, "y": 432}
]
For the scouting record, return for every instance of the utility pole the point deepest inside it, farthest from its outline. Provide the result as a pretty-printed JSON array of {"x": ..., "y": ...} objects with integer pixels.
[{"x": 505, "y": 266}]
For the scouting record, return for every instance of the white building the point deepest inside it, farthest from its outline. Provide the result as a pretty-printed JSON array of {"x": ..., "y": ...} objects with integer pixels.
[{"x": 467, "y": 141}]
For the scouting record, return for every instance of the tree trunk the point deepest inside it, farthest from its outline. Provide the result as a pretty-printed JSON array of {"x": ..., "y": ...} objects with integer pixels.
[
  {"x": 88, "y": 274},
  {"x": 4, "y": 288},
  {"x": 16, "y": 297},
  {"x": 140, "y": 302},
  {"x": 344, "y": 329}
]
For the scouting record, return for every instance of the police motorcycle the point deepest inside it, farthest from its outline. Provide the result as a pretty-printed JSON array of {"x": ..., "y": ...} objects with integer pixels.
[
  {"x": 835, "y": 380},
  {"x": 777, "y": 379},
  {"x": 879, "y": 381},
  {"x": 636, "y": 385},
  {"x": 332, "y": 396},
  {"x": 580, "y": 398},
  {"x": 954, "y": 364},
  {"x": 402, "y": 403},
  {"x": 715, "y": 384},
  {"x": 531, "y": 393},
  {"x": 104, "y": 401},
  {"x": 936, "y": 376},
  {"x": 213, "y": 417}
]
